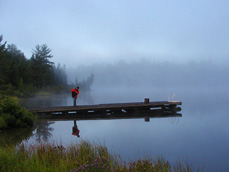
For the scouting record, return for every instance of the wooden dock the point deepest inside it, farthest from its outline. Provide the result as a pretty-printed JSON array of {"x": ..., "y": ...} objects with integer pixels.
[{"x": 111, "y": 111}]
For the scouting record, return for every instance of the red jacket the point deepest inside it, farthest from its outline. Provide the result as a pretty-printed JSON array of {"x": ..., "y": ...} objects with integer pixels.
[
  {"x": 75, "y": 131},
  {"x": 76, "y": 90}
]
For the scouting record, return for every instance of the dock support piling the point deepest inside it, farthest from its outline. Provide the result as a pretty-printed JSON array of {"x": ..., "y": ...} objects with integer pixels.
[{"x": 147, "y": 119}]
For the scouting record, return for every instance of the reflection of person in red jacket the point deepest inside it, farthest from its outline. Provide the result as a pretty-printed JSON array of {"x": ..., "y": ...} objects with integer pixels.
[
  {"x": 75, "y": 130},
  {"x": 75, "y": 92}
]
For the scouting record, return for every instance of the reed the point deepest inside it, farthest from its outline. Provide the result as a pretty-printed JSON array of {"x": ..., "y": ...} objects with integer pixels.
[{"x": 83, "y": 157}]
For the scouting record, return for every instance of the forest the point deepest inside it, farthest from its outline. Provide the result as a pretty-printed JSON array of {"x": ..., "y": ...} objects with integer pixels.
[{"x": 20, "y": 76}]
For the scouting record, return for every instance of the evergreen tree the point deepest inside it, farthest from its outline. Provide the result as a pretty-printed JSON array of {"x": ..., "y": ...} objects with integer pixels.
[
  {"x": 3, "y": 60},
  {"x": 41, "y": 66},
  {"x": 85, "y": 85},
  {"x": 17, "y": 65},
  {"x": 59, "y": 75}
]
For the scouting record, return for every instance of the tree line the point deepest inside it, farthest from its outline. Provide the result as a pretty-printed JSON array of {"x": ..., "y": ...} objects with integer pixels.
[
  {"x": 19, "y": 75},
  {"x": 151, "y": 74}
]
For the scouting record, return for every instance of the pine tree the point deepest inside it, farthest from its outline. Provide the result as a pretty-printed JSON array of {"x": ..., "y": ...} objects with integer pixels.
[
  {"x": 41, "y": 66},
  {"x": 3, "y": 59}
]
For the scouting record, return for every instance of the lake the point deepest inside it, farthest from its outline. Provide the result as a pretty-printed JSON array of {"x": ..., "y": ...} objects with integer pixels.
[{"x": 200, "y": 137}]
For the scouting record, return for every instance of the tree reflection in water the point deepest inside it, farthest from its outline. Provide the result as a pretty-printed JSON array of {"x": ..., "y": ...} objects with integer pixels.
[
  {"x": 14, "y": 136},
  {"x": 43, "y": 131}
]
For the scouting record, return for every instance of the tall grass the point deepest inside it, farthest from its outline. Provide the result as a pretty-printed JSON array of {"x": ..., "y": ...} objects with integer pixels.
[{"x": 83, "y": 157}]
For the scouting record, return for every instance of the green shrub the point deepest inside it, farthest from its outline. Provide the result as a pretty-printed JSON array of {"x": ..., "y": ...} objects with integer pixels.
[
  {"x": 12, "y": 114},
  {"x": 2, "y": 122}
]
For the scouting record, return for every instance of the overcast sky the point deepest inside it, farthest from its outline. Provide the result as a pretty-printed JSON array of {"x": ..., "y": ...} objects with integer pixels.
[{"x": 94, "y": 31}]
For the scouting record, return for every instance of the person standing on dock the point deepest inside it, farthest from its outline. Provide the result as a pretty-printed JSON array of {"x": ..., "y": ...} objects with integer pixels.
[{"x": 75, "y": 92}]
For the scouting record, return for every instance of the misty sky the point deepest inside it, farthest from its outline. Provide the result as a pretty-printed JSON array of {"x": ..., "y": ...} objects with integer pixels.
[{"x": 95, "y": 31}]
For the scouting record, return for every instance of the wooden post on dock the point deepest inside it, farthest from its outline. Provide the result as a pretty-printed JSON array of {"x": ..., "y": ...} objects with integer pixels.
[{"x": 146, "y": 100}]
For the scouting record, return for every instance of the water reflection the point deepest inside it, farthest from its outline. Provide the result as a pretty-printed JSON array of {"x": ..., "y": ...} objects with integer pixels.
[
  {"x": 43, "y": 130},
  {"x": 146, "y": 115},
  {"x": 40, "y": 132},
  {"x": 15, "y": 136},
  {"x": 75, "y": 130}
]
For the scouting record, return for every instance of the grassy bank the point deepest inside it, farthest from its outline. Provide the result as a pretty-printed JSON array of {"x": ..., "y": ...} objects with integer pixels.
[{"x": 84, "y": 157}]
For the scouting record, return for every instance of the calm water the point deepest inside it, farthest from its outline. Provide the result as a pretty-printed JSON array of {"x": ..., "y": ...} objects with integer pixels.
[{"x": 200, "y": 137}]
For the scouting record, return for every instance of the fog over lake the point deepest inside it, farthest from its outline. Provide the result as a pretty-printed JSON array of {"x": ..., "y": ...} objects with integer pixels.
[
  {"x": 199, "y": 137},
  {"x": 152, "y": 74}
]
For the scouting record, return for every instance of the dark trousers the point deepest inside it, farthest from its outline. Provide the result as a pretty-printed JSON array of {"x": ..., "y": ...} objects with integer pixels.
[{"x": 74, "y": 101}]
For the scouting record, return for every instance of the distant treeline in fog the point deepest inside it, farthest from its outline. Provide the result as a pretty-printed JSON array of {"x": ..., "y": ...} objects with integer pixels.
[
  {"x": 145, "y": 73},
  {"x": 19, "y": 73},
  {"x": 22, "y": 76}
]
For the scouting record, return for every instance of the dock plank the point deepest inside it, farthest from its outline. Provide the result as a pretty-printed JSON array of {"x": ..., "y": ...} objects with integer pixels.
[{"x": 114, "y": 107}]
